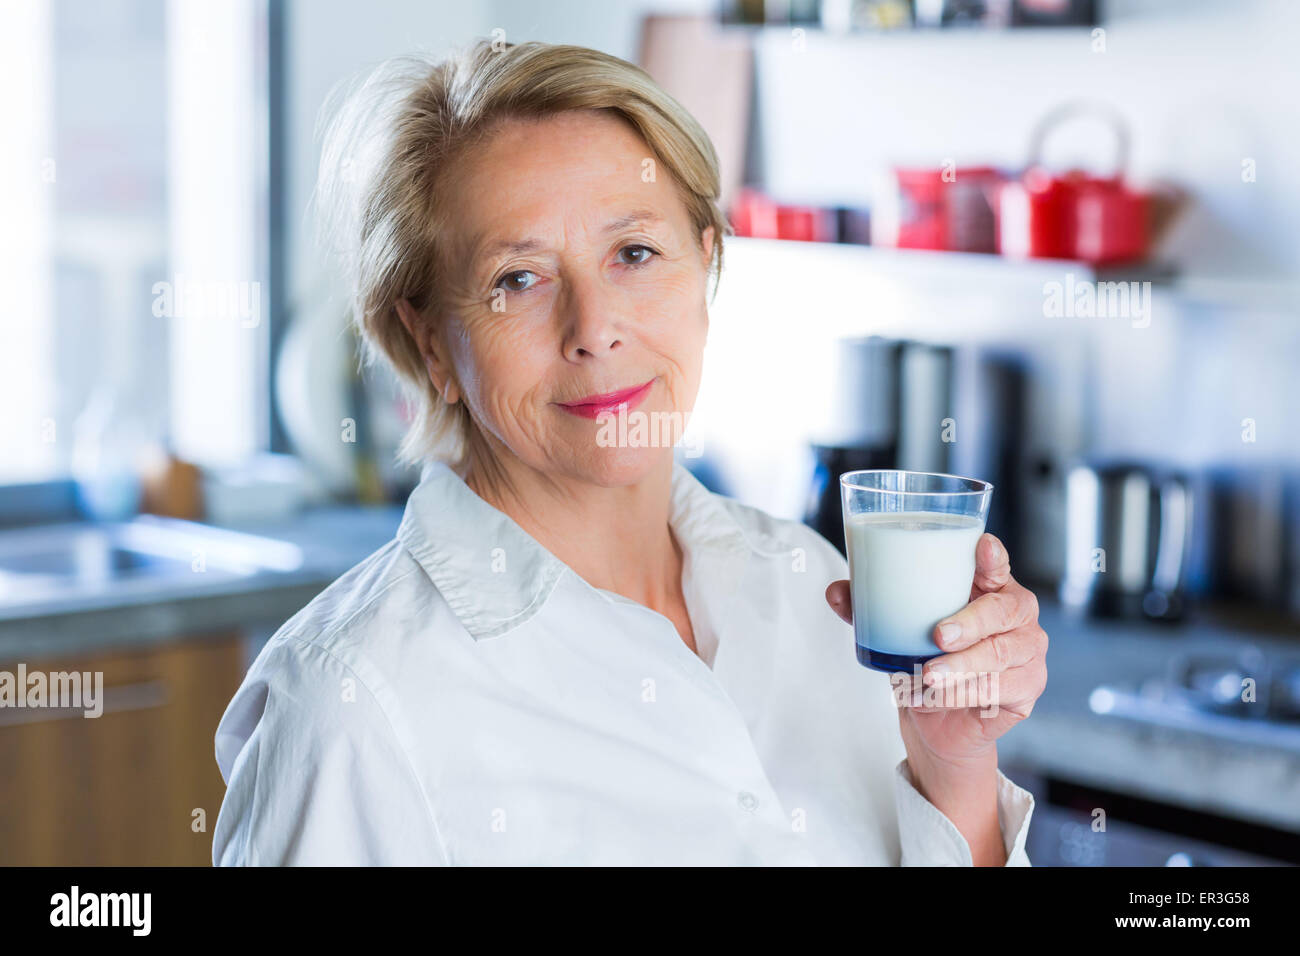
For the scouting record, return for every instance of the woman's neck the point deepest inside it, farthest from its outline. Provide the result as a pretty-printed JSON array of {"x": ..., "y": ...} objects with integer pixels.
[{"x": 615, "y": 538}]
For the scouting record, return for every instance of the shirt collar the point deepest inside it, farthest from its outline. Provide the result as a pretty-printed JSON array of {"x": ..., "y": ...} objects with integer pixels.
[{"x": 495, "y": 576}]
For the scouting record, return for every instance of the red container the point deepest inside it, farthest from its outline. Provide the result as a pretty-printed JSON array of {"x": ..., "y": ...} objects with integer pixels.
[
  {"x": 757, "y": 215},
  {"x": 946, "y": 209},
  {"x": 922, "y": 219},
  {"x": 1098, "y": 220},
  {"x": 1111, "y": 222},
  {"x": 1031, "y": 217}
]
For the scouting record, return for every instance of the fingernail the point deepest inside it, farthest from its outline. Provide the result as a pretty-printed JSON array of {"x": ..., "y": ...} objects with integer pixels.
[
  {"x": 937, "y": 667},
  {"x": 949, "y": 632}
]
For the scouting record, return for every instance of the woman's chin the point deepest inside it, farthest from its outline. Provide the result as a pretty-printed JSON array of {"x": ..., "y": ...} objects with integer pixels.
[{"x": 617, "y": 467}]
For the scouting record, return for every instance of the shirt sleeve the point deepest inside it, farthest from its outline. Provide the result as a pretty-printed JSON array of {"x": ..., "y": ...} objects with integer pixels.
[
  {"x": 315, "y": 774},
  {"x": 928, "y": 838}
]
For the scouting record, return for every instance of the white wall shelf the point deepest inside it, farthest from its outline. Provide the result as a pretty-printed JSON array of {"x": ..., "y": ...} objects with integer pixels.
[{"x": 1017, "y": 283}]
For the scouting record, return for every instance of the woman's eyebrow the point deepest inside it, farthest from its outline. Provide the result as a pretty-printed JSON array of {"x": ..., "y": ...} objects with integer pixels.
[
  {"x": 507, "y": 246},
  {"x": 519, "y": 246},
  {"x": 634, "y": 218}
]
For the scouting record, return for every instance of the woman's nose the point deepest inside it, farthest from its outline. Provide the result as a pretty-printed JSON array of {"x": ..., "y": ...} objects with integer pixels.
[{"x": 592, "y": 321}]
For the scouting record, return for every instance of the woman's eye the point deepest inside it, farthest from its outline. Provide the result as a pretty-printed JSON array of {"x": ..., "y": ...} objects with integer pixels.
[
  {"x": 522, "y": 280},
  {"x": 516, "y": 281},
  {"x": 645, "y": 252}
]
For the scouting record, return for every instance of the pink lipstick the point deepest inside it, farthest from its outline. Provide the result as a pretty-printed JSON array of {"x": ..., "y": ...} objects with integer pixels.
[{"x": 595, "y": 405}]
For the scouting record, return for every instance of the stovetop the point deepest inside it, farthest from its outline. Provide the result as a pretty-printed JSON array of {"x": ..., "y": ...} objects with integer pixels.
[{"x": 1246, "y": 697}]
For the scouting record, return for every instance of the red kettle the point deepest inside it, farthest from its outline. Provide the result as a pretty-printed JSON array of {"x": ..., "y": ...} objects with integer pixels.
[{"x": 1093, "y": 219}]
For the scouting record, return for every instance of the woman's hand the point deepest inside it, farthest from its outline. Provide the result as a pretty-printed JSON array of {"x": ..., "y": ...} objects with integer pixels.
[
  {"x": 994, "y": 642},
  {"x": 995, "y": 654}
]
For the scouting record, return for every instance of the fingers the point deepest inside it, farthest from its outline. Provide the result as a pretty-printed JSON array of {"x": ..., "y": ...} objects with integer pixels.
[
  {"x": 994, "y": 613},
  {"x": 837, "y": 596},
  {"x": 1001, "y": 652},
  {"x": 992, "y": 564},
  {"x": 1015, "y": 690}
]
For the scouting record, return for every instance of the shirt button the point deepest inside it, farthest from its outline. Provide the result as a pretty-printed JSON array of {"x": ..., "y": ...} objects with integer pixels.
[{"x": 747, "y": 800}]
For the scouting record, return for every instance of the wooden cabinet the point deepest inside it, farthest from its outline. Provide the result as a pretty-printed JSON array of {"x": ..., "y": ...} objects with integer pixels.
[{"x": 120, "y": 789}]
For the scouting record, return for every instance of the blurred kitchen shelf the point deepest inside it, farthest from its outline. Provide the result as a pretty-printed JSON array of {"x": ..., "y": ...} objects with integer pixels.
[
  {"x": 1256, "y": 294},
  {"x": 929, "y": 274},
  {"x": 921, "y": 264}
]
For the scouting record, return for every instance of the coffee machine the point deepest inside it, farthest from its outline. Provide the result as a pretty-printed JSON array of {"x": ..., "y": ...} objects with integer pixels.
[
  {"x": 919, "y": 407},
  {"x": 862, "y": 429}
]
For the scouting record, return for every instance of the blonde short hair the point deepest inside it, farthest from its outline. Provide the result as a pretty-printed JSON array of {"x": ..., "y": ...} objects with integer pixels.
[{"x": 390, "y": 138}]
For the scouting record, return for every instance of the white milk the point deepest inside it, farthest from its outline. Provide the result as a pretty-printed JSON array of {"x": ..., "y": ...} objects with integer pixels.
[{"x": 907, "y": 572}]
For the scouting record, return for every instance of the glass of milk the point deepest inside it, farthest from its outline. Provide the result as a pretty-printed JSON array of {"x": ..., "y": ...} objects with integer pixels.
[{"x": 910, "y": 538}]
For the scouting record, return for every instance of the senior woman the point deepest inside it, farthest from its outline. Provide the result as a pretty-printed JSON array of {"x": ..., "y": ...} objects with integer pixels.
[{"x": 572, "y": 652}]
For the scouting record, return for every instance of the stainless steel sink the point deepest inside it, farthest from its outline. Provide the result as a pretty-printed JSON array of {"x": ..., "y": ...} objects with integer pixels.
[{"x": 76, "y": 559}]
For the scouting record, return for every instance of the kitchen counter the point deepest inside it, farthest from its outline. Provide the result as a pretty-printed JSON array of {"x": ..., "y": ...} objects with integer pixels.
[
  {"x": 1063, "y": 737},
  {"x": 332, "y": 540}
]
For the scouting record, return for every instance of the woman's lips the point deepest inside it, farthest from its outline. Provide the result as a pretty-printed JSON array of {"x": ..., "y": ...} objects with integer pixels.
[{"x": 595, "y": 405}]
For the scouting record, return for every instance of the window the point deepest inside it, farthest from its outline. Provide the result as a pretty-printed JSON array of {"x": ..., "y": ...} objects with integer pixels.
[{"x": 134, "y": 241}]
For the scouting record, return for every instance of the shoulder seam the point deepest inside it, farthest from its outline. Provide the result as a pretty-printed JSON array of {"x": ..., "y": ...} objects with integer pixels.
[{"x": 340, "y": 625}]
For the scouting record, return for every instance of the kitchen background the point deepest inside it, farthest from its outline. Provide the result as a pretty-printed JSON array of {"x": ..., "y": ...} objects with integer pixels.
[{"x": 1049, "y": 243}]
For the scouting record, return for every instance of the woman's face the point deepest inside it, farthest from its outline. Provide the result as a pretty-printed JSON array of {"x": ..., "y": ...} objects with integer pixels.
[{"x": 574, "y": 272}]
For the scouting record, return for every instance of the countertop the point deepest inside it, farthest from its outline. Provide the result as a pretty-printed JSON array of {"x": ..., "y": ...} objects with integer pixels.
[
  {"x": 332, "y": 539},
  {"x": 1216, "y": 774}
]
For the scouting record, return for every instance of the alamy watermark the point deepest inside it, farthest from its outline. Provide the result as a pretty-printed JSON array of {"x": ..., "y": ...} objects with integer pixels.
[
  {"x": 1089, "y": 299},
  {"x": 57, "y": 690},
  {"x": 217, "y": 299},
  {"x": 129, "y": 910},
  {"x": 948, "y": 690},
  {"x": 637, "y": 429}
]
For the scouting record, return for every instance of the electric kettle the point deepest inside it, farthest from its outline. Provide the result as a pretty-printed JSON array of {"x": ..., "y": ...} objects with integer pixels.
[{"x": 1127, "y": 540}]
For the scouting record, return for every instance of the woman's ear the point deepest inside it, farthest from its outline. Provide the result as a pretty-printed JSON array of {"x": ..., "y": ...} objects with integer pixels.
[
  {"x": 706, "y": 246},
  {"x": 430, "y": 349}
]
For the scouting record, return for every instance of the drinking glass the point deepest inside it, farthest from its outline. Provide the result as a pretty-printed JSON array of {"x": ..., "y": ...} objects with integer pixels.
[{"x": 910, "y": 538}]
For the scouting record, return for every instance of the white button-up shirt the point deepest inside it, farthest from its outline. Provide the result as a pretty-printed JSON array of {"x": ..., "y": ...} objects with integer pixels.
[{"x": 463, "y": 697}]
